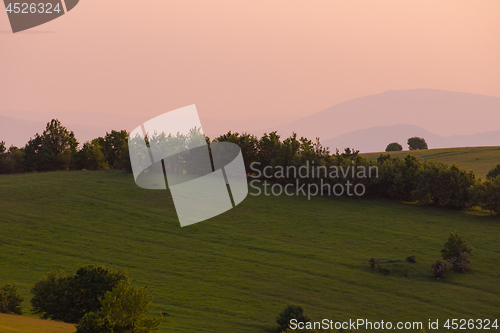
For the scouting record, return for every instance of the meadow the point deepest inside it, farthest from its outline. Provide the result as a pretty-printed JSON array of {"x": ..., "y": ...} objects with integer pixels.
[
  {"x": 479, "y": 159},
  {"x": 237, "y": 271}
]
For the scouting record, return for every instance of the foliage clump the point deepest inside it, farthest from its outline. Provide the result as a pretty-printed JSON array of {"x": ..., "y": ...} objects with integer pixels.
[
  {"x": 439, "y": 268},
  {"x": 290, "y": 312},
  {"x": 411, "y": 259},
  {"x": 10, "y": 300},
  {"x": 455, "y": 246},
  {"x": 394, "y": 147},
  {"x": 373, "y": 262},
  {"x": 494, "y": 173},
  {"x": 69, "y": 298},
  {"x": 461, "y": 263},
  {"x": 125, "y": 309},
  {"x": 416, "y": 143},
  {"x": 487, "y": 195}
]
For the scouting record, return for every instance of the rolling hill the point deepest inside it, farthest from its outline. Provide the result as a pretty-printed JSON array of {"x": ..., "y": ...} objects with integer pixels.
[
  {"x": 376, "y": 139},
  {"x": 479, "y": 159},
  {"x": 237, "y": 271},
  {"x": 444, "y": 113}
]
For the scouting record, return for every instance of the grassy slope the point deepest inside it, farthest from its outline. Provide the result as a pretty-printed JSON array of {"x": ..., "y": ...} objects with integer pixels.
[
  {"x": 235, "y": 272},
  {"x": 23, "y": 324},
  {"x": 479, "y": 159}
]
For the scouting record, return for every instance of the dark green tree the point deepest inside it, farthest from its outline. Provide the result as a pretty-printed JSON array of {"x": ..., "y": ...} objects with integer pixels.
[
  {"x": 455, "y": 246},
  {"x": 269, "y": 149},
  {"x": 125, "y": 309},
  {"x": 10, "y": 300},
  {"x": 123, "y": 162},
  {"x": 36, "y": 155},
  {"x": 493, "y": 173},
  {"x": 416, "y": 143},
  {"x": 290, "y": 312},
  {"x": 60, "y": 144},
  {"x": 16, "y": 157},
  {"x": 487, "y": 195},
  {"x": 394, "y": 147},
  {"x": 52, "y": 150},
  {"x": 53, "y": 296},
  {"x": 112, "y": 146},
  {"x": 94, "y": 323},
  {"x": 248, "y": 144},
  {"x": 59, "y": 297},
  {"x": 90, "y": 157},
  {"x": 5, "y": 162},
  {"x": 91, "y": 283},
  {"x": 444, "y": 186}
]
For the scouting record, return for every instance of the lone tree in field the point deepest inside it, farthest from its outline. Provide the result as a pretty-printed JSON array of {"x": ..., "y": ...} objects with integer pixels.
[
  {"x": 455, "y": 246},
  {"x": 394, "y": 147},
  {"x": 456, "y": 251},
  {"x": 416, "y": 143}
]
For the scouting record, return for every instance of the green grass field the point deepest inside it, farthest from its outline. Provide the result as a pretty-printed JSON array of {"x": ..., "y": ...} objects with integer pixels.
[
  {"x": 237, "y": 271},
  {"x": 479, "y": 159}
]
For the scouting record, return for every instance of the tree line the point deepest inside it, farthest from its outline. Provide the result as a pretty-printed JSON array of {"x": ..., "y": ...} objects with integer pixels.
[
  {"x": 58, "y": 149},
  {"x": 408, "y": 179}
]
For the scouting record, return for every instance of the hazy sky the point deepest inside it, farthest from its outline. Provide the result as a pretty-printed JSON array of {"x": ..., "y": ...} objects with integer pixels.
[{"x": 247, "y": 58}]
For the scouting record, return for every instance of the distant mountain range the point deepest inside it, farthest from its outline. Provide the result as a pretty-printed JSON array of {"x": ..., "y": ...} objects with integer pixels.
[
  {"x": 445, "y": 113},
  {"x": 445, "y": 119}
]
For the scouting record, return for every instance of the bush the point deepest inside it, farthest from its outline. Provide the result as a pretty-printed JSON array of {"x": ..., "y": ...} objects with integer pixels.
[
  {"x": 455, "y": 246},
  {"x": 94, "y": 323},
  {"x": 52, "y": 296},
  {"x": 69, "y": 298},
  {"x": 373, "y": 262},
  {"x": 411, "y": 259},
  {"x": 493, "y": 173},
  {"x": 290, "y": 312},
  {"x": 444, "y": 186},
  {"x": 90, "y": 157},
  {"x": 439, "y": 268},
  {"x": 416, "y": 143},
  {"x": 488, "y": 195},
  {"x": 461, "y": 263},
  {"x": 125, "y": 309},
  {"x": 394, "y": 147},
  {"x": 397, "y": 177},
  {"x": 10, "y": 300}
]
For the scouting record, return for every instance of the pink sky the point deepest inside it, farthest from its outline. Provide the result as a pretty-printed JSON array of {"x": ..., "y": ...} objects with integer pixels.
[{"x": 247, "y": 58}]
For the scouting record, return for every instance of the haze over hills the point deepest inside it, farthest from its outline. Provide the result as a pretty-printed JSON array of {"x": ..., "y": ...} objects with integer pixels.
[
  {"x": 441, "y": 112},
  {"x": 445, "y": 119},
  {"x": 376, "y": 139},
  {"x": 17, "y": 127},
  {"x": 18, "y": 132}
]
